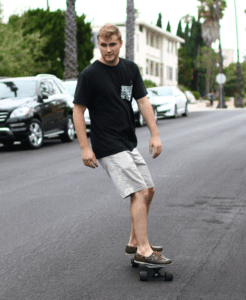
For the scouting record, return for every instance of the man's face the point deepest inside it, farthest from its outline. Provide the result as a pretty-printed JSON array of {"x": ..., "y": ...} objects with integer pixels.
[{"x": 110, "y": 49}]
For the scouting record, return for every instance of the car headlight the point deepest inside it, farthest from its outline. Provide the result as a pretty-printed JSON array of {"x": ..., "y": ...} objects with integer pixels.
[{"x": 20, "y": 112}]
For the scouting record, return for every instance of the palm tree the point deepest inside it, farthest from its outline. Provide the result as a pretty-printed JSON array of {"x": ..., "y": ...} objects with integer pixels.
[
  {"x": 210, "y": 31},
  {"x": 70, "y": 60},
  {"x": 130, "y": 30}
]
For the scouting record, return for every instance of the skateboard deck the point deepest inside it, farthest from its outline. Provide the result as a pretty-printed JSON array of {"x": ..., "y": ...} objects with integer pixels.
[{"x": 156, "y": 271}]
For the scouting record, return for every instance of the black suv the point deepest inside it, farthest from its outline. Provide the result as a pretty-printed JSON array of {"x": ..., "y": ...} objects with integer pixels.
[{"x": 34, "y": 108}]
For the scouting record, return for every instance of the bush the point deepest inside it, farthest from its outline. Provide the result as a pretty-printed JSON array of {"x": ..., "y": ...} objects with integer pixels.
[
  {"x": 149, "y": 83},
  {"x": 196, "y": 94}
]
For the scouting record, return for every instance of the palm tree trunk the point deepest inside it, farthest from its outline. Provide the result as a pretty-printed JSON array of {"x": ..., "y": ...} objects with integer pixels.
[
  {"x": 130, "y": 29},
  {"x": 208, "y": 75},
  {"x": 70, "y": 61}
]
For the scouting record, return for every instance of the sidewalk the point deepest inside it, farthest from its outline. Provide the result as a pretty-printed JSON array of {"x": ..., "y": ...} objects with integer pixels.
[{"x": 201, "y": 106}]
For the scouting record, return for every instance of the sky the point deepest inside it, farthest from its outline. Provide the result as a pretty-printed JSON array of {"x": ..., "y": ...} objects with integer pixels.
[{"x": 100, "y": 12}]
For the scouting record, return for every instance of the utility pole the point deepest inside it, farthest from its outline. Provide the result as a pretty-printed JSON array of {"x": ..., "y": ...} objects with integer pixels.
[
  {"x": 48, "y": 8},
  {"x": 238, "y": 100},
  {"x": 222, "y": 100}
]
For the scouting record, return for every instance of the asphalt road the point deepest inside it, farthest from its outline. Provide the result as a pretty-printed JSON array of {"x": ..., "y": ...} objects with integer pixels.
[{"x": 64, "y": 228}]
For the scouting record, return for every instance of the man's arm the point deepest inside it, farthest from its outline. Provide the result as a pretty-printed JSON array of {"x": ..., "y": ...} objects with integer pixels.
[
  {"x": 88, "y": 156},
  {"x": 147, "y": 111}
]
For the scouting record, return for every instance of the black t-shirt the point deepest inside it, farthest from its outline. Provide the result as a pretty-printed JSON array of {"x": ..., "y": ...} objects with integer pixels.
[{"x": 107, "y": 92}]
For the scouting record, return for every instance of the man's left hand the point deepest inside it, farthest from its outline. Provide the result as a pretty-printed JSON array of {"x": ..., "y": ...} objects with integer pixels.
[{"x": 156, "y": 143}]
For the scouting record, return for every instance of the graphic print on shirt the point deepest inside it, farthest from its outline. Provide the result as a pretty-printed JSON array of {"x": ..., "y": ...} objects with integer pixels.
[{"x": 126, "y": 92}]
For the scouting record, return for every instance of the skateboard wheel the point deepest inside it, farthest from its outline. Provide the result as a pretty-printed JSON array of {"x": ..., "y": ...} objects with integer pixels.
[
  {"x": 168, "y": 276},
  {"x": 134, "y": 264},
  {"x": 143, "y": 275}
]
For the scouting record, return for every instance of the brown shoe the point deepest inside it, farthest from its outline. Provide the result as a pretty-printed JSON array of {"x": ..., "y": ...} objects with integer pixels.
[
  {"x": 154, "y": 259},
  {"x": 133, "y": 250}
]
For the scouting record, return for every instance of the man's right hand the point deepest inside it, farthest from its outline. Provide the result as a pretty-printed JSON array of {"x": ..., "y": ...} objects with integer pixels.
[{"x": 89, "y": 158}]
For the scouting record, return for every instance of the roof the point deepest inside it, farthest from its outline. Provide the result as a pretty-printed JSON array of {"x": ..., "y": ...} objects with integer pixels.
[{"x": 164, "y": 33}]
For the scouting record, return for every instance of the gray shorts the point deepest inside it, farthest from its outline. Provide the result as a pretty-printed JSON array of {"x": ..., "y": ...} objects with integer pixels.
[{"x": 128, "y": 171}]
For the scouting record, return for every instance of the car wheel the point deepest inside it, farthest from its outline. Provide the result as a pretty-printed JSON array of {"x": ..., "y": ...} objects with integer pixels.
[
  {"x": 175, "y": 111},
  {"x": 68, "y": 135},
  {"x": 155, "y": 113},
  {"x": 185, "y": 114},
  {"x": 140, "y": 120},
  {"x": 36, "y": 135}
]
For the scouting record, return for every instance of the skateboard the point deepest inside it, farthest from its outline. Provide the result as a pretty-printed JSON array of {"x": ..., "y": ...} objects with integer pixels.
[{"x": 156, "y": 271}]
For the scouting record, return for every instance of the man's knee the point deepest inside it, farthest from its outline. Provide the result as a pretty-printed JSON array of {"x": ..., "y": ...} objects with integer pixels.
[
  {"x": 141, "y": 194},
  {"x": 151, "y": 192}
]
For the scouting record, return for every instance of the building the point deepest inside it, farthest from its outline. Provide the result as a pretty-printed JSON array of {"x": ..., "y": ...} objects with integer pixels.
[
  {"x": 155, "y": 52},
  {"x": 228, "y": 56}
]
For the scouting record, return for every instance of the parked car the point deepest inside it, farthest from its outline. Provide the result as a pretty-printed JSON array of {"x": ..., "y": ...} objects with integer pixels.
[
  {"x": 169, "y": 100},
  {"x": 34, "y": 108},
  {"x": 70, "y": 85},
  {"x": 190, "y": 97},
  {"x": 139, "y": 119}
]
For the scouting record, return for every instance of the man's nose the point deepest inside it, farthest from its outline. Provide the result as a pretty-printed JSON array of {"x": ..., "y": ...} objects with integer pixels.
[{"x": 108, "y": 49}]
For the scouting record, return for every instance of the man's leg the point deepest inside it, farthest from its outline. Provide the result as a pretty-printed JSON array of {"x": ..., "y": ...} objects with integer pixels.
[
  {"x": 133, "y": 240},
  {"x": 140, "y": 202}
]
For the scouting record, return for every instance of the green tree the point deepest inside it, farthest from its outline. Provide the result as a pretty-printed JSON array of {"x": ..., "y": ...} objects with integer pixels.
[
  {"x": 51, "y": 25},
  {"x": 210, "y": 28},
  {"x": 70, "y": 60},
  {"x": 180, "y": 30},
  {"x": 231, "y": 79},
  {"x": 168, "y": 27},
  {"x": 185, "y": 71},
  {"x": 21, "y": 55},
  {"x": 159, "y": 21},
  {"x": 130, "y": 30},
  {"x": 206, "y": 55}
]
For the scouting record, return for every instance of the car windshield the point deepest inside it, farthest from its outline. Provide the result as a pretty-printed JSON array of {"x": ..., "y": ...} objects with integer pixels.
[
  {"x": 70, "y": 86},
  {"x": 163, "y": 92},
  {"x": 17, "y": 88}
]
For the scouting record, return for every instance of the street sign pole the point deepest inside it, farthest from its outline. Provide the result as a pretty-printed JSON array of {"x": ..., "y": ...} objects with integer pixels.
[
  {"x": 221, "y": 79},
  {"x": 221, "y": 89}
]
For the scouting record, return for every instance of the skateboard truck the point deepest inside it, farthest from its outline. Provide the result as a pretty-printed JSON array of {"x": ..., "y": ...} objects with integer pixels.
[{"x": 144, "y": 274}]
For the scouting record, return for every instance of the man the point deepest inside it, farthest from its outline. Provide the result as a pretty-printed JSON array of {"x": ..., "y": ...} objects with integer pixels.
[
  {"x": 212, "y": 98},
  {"x": 106, "y": 88}
]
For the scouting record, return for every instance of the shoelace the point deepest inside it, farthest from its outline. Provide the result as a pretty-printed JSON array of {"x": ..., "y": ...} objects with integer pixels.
[{"x": 159, "y": 256}]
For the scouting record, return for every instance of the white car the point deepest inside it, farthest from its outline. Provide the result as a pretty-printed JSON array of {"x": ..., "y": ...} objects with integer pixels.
[
  {"x": 190, "y": 97},
  {"x": 169, "y": 101},
  {"x": 70, "y": 86}
]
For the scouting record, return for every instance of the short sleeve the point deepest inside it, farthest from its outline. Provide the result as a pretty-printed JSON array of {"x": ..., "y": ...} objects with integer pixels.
[
  {"x": 84, "y": 91},
  {"x": 139, "y": 89}
]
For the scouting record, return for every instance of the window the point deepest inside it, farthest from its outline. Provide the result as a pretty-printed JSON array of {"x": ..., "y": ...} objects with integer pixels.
[
  {"x": 44, "y": 87},
  {"x": 151, "y": 67},
  {"x": 147, "y": 66},
  {"x": 157, "y": 42},
  {"x": 156, "y": 69},
  {"x": 152, "y": 40},
  {"x": 53, "y": 87},
  {"x": 147, "y": 37},
  {"x": 141, "y": 28},
  {"x": 169, "y": 73}
]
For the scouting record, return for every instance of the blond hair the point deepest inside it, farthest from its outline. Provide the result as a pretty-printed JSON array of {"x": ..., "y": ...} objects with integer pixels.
[{"x": 108, "y": 30}]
